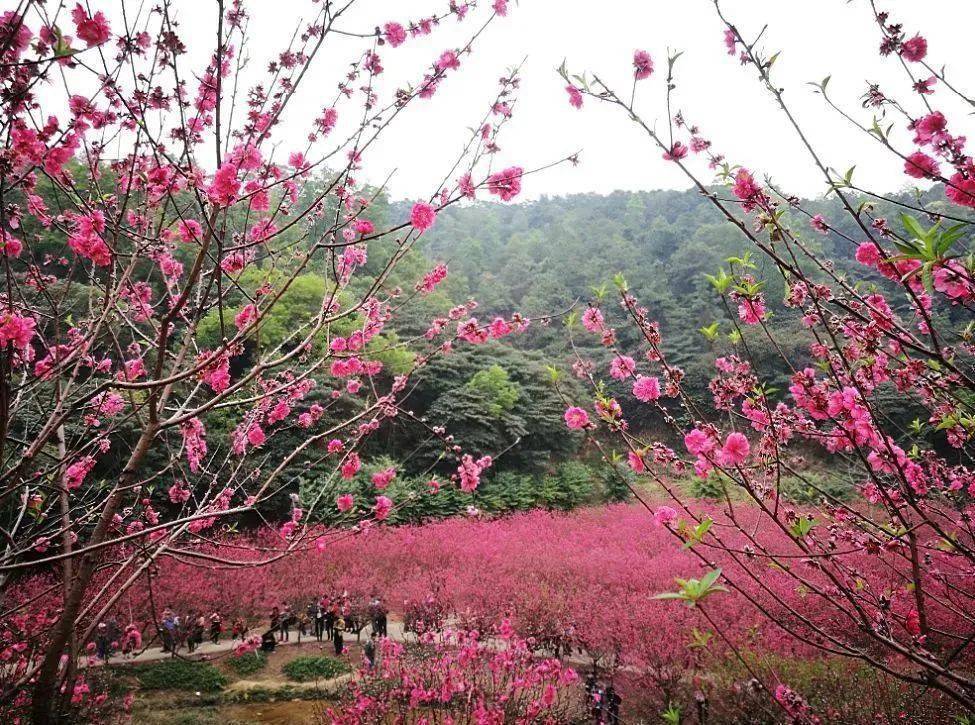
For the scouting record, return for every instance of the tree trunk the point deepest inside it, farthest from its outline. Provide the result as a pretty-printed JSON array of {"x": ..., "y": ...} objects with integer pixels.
[{"x": 45, "y": 695}]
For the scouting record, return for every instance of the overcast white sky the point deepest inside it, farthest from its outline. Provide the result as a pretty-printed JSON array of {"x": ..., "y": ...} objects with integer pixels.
[{"x": 817, "y": 37}]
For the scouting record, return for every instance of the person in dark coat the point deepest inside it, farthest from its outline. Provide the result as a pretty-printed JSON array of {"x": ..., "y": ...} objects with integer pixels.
[
  {"x": 284, "y": 624},
  {"x": 613, "y": 701},
  {"x": 597, "y": 701},
  {"x": 330, "y": 617},
  {"x": 268, "y": 642},
  {"x": 369, "y": 650},
  {"x": 216, "y": 627},
  {"x": 379, "y": 617},
  {"x": 198, "y": 626},
  {"x": 188, "y": 632},
  {"x": 102, "y": 641},
  {"x": 114, "y": 635},
  {"x": 318, "y": 617}
]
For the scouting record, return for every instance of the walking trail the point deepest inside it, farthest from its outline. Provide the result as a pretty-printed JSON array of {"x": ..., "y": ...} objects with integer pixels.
[
  {"x": 395, "y": 630},
  {"x": 208, "y": 650}
]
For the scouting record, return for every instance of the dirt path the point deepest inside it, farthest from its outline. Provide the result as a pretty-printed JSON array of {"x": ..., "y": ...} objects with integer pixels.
[{"x": 208, "y": 650}]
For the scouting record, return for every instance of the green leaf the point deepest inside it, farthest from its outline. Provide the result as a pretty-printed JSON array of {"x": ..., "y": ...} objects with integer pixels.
[
  {"x": 802, "y": 527},
  {"x": 711, "y": 577},
  {"x": 672, "y": 715},
  {"x": 876, "y": 130},
  {"x": 699, "y": 639},
  {"x": 711, "y": 331},
  {"x": 699, "y": 532},
  {"x": 694, "y": 591},
  {"x": 669, "y": 595},
  {"x": 721, "y": 282},
  {"x": 912, "y": 226}
]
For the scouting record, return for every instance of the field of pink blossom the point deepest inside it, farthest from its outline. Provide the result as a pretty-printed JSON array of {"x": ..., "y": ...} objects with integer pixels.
[
  {"x": 585, "y": 580},
  {"x": 581, "y": 585}
]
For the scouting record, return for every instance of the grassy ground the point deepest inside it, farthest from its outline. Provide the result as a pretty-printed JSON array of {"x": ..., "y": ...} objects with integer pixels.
[
  {"x": 185, "y": 693},
  {"x": 810, "y": 487}
]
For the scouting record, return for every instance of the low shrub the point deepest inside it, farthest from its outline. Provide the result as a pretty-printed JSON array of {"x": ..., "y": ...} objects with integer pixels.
[
  {"x": 177, "y": 674},
  {"x": 314, "y": 667},
  {"x": 284, "y": 693},
  {"x": 247, "y": 663},
  {"x": 815, "y": 486},
  {"x": 712, "y": 487}
]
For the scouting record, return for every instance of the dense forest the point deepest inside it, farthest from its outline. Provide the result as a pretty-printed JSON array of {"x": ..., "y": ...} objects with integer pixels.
[{"x": 525, "y": 258}]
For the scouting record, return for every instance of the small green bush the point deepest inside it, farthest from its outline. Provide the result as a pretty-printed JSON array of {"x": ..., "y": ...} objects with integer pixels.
[
  {"x": 814, "y": 486},
  {"x": 181, "y": 675},
  {"x": 247, "y": 663},
  {"x": 283, "y": 693},
  {"x": 712, "y": 487},
  {"x": 314, "y": 667}
]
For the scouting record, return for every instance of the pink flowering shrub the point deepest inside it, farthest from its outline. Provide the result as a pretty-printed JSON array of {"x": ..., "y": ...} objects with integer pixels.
[
  {"x": 580, "y": 585},
  {"x": 468, "y": 680}
]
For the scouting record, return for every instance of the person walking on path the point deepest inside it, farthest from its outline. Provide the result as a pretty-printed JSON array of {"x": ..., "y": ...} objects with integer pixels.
[
  {"x": 114, "y": 635},
  {"x": 216, "y": 627},
  {"x": 596, "y": 699},
  {"x": 239, "y": 630},
  {"x": 318, "y": 617},
  {"x": 196, "y": 628},
  {"x": 102, "y": 642},
  {"x": 184, "y": 627},
  {"x": 199, "y": 629},
  {"x": 379, "y": 617},
  {"x": 132, "y": 641},
  {"x": 309, "y": 615},
  {"x": 330, "y": 616},
  {"x": 613, "y": 701},
  {"x": 167, "y": 631},
  {"x": 284, "y": 625},
  {"x": 172, "y": 626}
]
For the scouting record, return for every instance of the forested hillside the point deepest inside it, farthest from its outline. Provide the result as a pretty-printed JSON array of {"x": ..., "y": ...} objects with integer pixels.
[
  {"x": 523, "y": 257},
  {"x": 526, "y": 258}
]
